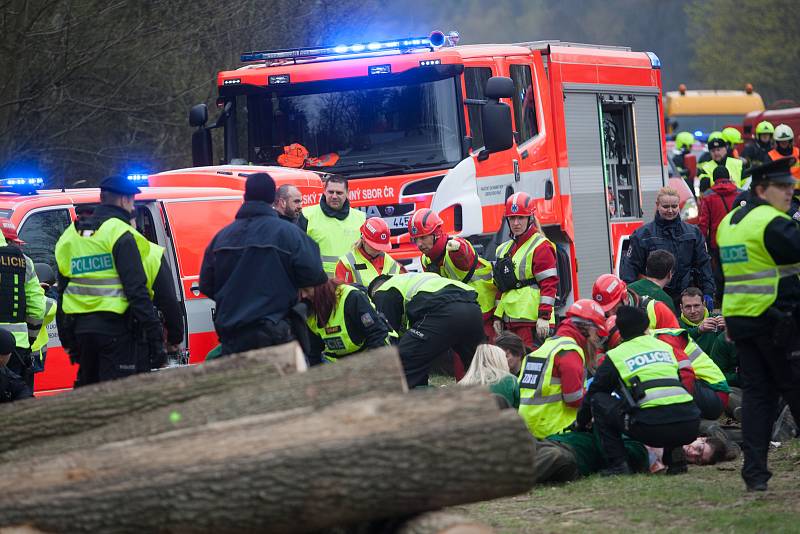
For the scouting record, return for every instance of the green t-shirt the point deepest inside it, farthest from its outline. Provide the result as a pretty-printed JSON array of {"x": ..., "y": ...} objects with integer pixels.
[
  {"x": 705, "y": 340},
  {"x": 589, "y": 452},
  {"x": 648, "y": 288},
  {"x": 508, "y": 389}
]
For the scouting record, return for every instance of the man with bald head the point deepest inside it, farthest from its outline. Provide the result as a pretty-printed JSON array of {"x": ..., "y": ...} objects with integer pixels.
[{"x": 288, "y": 203}]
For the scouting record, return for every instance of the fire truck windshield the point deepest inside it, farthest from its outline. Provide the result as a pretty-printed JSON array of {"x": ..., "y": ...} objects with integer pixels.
[{"x": 372, "y": 130}]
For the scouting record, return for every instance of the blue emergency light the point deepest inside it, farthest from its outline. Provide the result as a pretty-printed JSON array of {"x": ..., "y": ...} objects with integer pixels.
[
  {"x": 435, "y": 40},
  {"x": 138, "y": 178},
  {"x": 655, "y": 61},
  {"x": 21, "y": 185}
]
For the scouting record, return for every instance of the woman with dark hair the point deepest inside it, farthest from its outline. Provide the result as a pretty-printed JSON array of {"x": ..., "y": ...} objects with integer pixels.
[{"x": 342, "y": 321}]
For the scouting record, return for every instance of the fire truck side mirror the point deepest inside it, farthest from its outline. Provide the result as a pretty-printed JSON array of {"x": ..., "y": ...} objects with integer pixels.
[
  {"x": 497, "y": 130},
  {"x": 198, "y": 115}
]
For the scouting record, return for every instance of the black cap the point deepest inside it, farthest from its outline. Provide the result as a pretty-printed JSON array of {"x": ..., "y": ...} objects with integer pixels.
[
  {"x": 260, "y": 186},
  {"x": 721, "y": 173},
  {"x": 631, "y": 322},
  {"x": 717, "y": 143},
  {"x": 7, "y": 342},
  {"x": 45, "y": 273},
  {"x": 778, "y": 171},
  {"x": 119, "y": 185}
]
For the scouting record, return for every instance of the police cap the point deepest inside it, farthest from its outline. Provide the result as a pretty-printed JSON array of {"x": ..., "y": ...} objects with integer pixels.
[
  {"x": 119, "y": 185},
  {"x": 777, "y": 172},
  {"x": 717, "y": 143}
]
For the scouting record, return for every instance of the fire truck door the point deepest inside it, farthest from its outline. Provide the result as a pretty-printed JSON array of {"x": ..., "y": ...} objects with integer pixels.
[
  {"x": 191, "y": 224},
  {"x": 653, "y": 171},
  {"x": 586, "y": 187}
]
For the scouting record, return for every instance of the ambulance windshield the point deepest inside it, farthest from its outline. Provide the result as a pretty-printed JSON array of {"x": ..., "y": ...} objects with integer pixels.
[{"x": 371, "y": 130}]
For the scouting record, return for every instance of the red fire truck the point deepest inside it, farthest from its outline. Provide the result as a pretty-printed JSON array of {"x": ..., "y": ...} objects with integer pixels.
[{"x": 422, "y": 122}]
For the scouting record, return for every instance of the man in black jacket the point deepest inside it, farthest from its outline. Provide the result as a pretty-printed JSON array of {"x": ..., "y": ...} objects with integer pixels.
[
  {"x": 99, "y": 339},
  {"x": 253, "y": 269},
  {"x": 684, "y": 241}
]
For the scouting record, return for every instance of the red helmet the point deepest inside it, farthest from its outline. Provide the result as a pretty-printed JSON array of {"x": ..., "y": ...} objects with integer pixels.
[
  {"x": 520, "y": 205},
  {"x": 608, "y": 291},
  {"x": 614, "y": 337},
  {"x": 375, "y": 233},
  {"x": 590, "y": 311},
  {"x": 424, "y": 222},
  {"x": 10, "y": 231}
]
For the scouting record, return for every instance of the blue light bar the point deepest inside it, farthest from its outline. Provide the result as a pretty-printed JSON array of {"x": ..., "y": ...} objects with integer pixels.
[
  {"x": 655, "y": 62},
  {"x": 400, "y": 45},
  {"x": 138, "y": 178},
  {"x": 21, "y": 186}
]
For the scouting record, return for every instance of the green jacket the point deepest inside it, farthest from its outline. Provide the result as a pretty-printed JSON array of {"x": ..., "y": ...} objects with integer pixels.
[
  {"x": 589, "y": 452},
  {"x": 724, "y": 355},
  {"x": 705, "y": 340},
  {"x": 508, "y": 388},
  {"x": 646, "y": 288}
]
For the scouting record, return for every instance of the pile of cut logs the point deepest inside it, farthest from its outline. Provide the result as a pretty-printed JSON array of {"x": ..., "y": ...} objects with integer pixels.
[{"x": 258, "y": 442}]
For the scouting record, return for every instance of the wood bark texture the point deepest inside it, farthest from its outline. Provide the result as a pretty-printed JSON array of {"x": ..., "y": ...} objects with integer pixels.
[
  {"x": 355, "y": 461},
  {"x": 35, "y": 421},
  {"x": 374, "y": 372}
]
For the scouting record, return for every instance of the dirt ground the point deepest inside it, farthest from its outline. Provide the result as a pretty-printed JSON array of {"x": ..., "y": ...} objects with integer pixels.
[{"x": 707, "y": 499}]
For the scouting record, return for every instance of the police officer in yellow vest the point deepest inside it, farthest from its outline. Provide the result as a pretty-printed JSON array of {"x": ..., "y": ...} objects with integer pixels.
[
  {"x": 342, "y": 321},
  {"x": 332, "y": 223},
  {"x": 454, "y": 258},
  {"x": 433, "y": 315},
  {"x": 653, "y": 407},
  {"x": 760, "y": 252},
  {"x": 22, "y": 305},
  {"x": 720, "y": 157},
  {"x": 103, "y": 288},
  {"x": 552, "y": 378}
]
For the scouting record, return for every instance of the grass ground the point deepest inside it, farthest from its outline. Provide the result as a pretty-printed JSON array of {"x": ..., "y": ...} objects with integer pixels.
[{"x": 707, "y": 499}]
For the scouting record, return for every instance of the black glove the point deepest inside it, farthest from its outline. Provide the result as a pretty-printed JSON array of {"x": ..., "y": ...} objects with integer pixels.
[
  {"x": 158, "y": 356},
  {"x": 583, "y": 420}
]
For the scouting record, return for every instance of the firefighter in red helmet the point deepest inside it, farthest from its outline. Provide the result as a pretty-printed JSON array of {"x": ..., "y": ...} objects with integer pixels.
[
  {"x": 454, "y": 258},
  {"x": 369, "y": 257},
  {"x": 525, "y": 275},
  {"x": 611, "y": 292}
]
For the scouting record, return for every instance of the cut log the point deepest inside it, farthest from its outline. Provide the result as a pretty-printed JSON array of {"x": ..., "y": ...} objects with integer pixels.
[
  {"x": 33, "y": 421},
  {"x": 355, "y": 461},
  {"x": 373, "y": 372}
]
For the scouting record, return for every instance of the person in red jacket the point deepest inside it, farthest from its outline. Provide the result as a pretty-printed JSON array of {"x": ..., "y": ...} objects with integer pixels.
[
  {"x": 370, "y": 255},
  {"x": 611, "y": 292},
  {"x": 525, "y": 273},
  {"x": 715, "y": 204}
]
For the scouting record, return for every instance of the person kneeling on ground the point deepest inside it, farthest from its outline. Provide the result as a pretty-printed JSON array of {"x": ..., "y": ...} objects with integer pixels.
[
  {"x": 12, "y": 386},
  {"x": 342, "y": 321},
  {"x": 514, "y": 348},
  {"x": 490, "y": 368},
  {"x": 552, "y": 377},
  {"x": 653, "y": 407},
  {"x": 433, "y": 315}
]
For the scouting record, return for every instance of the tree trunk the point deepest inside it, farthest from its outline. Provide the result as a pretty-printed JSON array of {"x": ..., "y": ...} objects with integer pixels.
[
  {"x": 352, "y": 462},
  {"x": 33, "y": 421},
  {"x": 265, "y": 392}
]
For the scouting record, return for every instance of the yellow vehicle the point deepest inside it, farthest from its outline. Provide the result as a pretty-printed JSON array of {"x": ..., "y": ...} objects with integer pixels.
[{"x": 704, "y": 111}]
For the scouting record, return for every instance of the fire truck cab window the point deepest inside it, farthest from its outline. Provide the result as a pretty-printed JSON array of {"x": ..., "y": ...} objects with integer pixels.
[
  {"x": 40, "y": 232},
  {"x": 475, "y": 81},
  {"x": 619, "y": 158},
  {"x": 524, "y": 102},
  {"x": 388, "y": 128}
]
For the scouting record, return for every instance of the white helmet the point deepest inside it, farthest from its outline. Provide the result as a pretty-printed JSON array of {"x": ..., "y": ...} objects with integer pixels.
[{"x": 783, "y": 133}]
